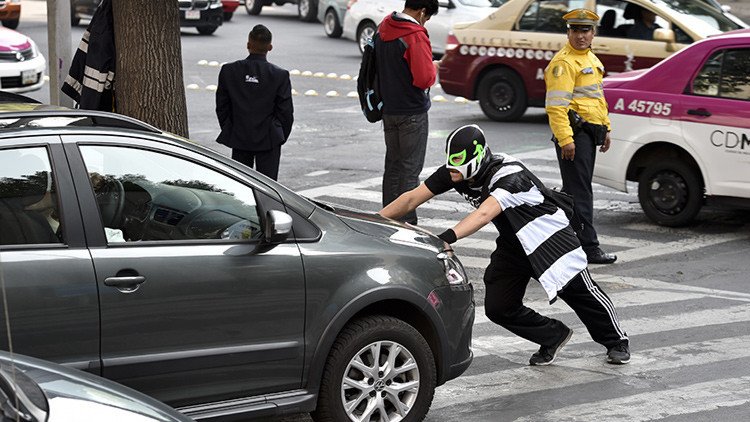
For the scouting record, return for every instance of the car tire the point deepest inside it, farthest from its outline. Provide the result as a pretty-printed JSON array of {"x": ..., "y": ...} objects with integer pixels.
[
  {"x": 331, "y": 24},
  {"x": 670, "y": 192},
  {"x": 253, "y": 7},
  {"x": 207, "y": 30},
  {"x": 394, "y": 340},
  {"x": 228, "y": 16},
  {"x": 366, "y": 30},
  {"x": 307, "y": 10},
  {"x": 11, "y": 24},
  {"x": 502, "y": 95}
]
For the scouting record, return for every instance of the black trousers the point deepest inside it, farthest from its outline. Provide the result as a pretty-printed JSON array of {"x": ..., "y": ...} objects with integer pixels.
[
  {"x": 266, "y": 162},
  {"x": 576, "y": 177},
  {"x": 506, "y": 279}
]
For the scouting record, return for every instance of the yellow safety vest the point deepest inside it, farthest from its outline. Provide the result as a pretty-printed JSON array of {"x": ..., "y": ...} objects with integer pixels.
[{"x": 574, "y": 80}]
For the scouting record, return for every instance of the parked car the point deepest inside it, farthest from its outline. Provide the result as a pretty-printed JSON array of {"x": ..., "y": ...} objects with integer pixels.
[
  {"x": 10, "y": 13},
  {"x": 307, "y": 10},
  {"x": 82, "y": 9},
  {"x": 192, "y": 278},
  {"x": 363, "y": 17},
  {"x": 229, "y": 6},
  {"x": 21, "y": 64},
  {"x": 682, "y": 130},
  {"x": 332, "y": 13},
  {"x": 38, "y": 391},
  {"x": 500, "y": 60},
  {"x": 205, "y": 15}
]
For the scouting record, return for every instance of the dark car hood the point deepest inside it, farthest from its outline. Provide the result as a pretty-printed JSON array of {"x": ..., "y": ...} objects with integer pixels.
[{"x": 373, "y": 224}]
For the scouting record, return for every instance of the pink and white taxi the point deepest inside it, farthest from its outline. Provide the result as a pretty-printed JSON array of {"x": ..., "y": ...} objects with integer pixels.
[{"x": 681, "y": 129}]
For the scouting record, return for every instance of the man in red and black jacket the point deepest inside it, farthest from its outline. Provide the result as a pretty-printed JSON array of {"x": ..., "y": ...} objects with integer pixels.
[{"x": 405, "y": 74}]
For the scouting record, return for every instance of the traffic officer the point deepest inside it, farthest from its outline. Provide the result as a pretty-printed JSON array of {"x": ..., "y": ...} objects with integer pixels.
[{"x": 579, "y": 121}]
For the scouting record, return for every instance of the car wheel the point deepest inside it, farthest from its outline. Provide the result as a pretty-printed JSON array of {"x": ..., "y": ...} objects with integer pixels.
[
  {"x": 253, "y": 7},
  {"x": 366, "y": 32},
  {"x": 11, "y": 24},
  {"x": 670, "y": 192},
  {"x": 331, "y": 24},
  {"x": 307, "y": 10},
  {"x": 381, "y": 369},
  {"x": 228, "y": 16},
  {"x": 207, "y": 30},
  {"x": 502, "y": 95}
]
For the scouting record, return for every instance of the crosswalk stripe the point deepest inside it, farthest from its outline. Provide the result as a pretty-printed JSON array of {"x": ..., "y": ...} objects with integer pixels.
[
  {"x": 700, "y": 397},
  {"x": 525, "y": 379},
  {"x": 621, "y": 299},
  {"x": 504, "y": 344}
]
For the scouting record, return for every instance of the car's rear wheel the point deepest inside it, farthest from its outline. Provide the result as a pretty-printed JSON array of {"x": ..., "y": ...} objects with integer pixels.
[
  {"x": 307, "y": 10},
  {"x": 228, "y": 16},
  {"x": 253, "y": 7},
  {"x": 11, "y": 24},
  {"x": 379, "y": 369},
  {"x": 670, "y": 192},
  {"x": 502, "y": 95},
  {"x": 207, "y": 30},
  {"x": 366, "y": 32},
  {"x": 331, "y": 24}
]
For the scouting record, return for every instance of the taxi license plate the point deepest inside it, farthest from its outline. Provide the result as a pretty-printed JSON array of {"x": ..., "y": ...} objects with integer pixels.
[
  {"x": 192, "y": 14},
  {"x": 28, "y": 77}
]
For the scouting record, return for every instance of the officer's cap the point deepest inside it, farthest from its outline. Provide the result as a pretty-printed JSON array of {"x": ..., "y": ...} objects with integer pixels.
[{"x": 581, "y": 18}]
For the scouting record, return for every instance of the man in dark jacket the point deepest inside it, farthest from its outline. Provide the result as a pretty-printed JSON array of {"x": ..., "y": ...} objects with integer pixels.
[
  {"x": 406, "y": 72},
  {"x": 254, "y": 106}
]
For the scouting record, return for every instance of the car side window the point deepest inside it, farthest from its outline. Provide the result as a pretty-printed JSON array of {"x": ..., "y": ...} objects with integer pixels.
[
  {"x": 725, "y": 75},
  {"x": 29, "y": 207},
  {"x": 149, "y": 196},
  {"x": 546, "y": 15},
  {"x": 623, "y": 19}
]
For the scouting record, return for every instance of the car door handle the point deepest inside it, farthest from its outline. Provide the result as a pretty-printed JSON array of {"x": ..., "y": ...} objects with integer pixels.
[
  {"x": 600, "y": 48},
  {"x": 699, "y": 112},
  {"x": 524, "y": 43},
  {"x": 127, "y": 283}
]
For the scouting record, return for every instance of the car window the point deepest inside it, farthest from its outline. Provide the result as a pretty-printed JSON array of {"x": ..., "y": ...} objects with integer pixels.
[
  {"x": 618, "y": 18},
  {"x": 546, "y": 15},
  {"x": 482, "y": 3},
  {"x": 29, "y": 208},
  {"x": 149, "y": 196},
  {"x": 725, "y": 75},
  {"x": 700, "y": 16}
]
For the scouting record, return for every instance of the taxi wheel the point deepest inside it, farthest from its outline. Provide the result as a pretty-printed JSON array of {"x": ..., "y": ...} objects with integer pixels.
[
  {"x": 670, "y": 193},
  {"x": 11, "y": 24},
  {"x": 502, "y": 95}
]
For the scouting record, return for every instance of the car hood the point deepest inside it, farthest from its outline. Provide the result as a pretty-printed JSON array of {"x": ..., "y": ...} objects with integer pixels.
[
  {"x": 373, "y": 224},
  {"x": 11, "y": 40}
]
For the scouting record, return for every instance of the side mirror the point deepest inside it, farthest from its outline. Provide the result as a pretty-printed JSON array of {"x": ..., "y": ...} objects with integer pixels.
[
  {"x": 278, "y": 226},
  {"x": 667, "y": 36}
]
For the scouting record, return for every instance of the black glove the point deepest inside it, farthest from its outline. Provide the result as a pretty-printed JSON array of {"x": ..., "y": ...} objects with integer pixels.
[{"x": 448, "y": 236}]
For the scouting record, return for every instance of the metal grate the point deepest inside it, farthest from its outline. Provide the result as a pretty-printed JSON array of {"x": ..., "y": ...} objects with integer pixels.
[{"x": 17, "y": 56}]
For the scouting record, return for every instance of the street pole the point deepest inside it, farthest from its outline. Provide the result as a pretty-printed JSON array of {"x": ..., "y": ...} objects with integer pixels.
[{"x": 60, "y": 55}]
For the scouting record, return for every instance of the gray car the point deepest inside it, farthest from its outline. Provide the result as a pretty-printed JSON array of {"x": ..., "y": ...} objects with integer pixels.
[{"x": 157, "y": 263}]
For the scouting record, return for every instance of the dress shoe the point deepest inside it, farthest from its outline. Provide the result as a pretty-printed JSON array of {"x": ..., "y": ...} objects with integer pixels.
[{"x": 598, "y": 256}]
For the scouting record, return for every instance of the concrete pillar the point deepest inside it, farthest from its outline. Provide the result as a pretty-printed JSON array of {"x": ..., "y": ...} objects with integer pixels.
[{"x": 60, "y": 54}]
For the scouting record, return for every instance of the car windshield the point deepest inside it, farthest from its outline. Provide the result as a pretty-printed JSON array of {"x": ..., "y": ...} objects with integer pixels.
[
  {"x": 482, "y": 3},
  {"x": 700, "y": 16}
]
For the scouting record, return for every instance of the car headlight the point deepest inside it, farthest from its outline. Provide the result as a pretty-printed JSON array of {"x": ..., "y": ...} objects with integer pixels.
[
  {"x": 34, "y": 48},
  {"x": 454, "y": 270}
]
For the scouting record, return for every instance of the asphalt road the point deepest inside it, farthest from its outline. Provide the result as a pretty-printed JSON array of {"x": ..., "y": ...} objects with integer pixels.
[{"x": 682, "y": 294}]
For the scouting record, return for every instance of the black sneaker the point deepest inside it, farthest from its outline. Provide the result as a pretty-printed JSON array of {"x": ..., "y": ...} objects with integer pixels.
[
  {"x": 619, "y": 355},
  {"x": 546, "y": 355}
]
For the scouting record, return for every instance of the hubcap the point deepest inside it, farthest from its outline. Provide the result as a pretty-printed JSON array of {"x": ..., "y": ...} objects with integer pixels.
[
  {"x": 668, "y": 192},
  {"x": 367, "y": 34},
  {"x": 304, "y": 7},
  {"x": 330, "y": 22},
  {"x": 502, "y": 95},
  {"x": 380, "y": 383}
]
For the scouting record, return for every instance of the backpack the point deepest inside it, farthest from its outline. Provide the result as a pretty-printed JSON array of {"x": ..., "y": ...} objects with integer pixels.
[
  {"x": 367, "y": 84},
  {"x": 560, "y": 199}
]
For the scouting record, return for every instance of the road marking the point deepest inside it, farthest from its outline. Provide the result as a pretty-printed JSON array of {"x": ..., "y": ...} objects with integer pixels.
[
  {"x": 700, "y": 397},
  {"x": 586, "y": 369}
]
